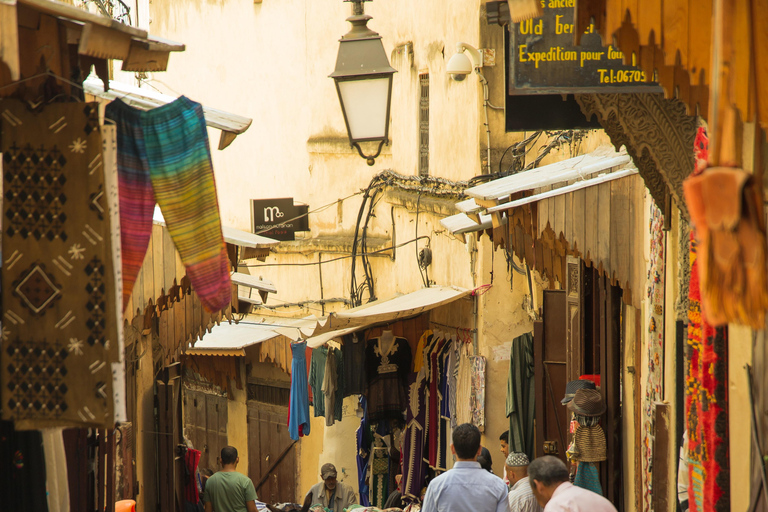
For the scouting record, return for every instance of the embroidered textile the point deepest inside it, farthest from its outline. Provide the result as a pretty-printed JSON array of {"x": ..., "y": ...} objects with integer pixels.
[
  {"x": 477, "y": 399},
  {"x": 706, "y": 404},
  {"x": 654, "y": 390},
  {"x": 414, "y": 467},
  {"x": 379, "y": 472},
  {"x": 164, "y": 157},
  {"x": 387, "y": 376},
  {"x": 298, "y": 414},
  {"x": 59, "y": 322}
]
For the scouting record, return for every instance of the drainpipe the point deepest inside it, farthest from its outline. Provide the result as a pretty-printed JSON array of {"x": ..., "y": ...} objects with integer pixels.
[{"x": 487, "y": 126}]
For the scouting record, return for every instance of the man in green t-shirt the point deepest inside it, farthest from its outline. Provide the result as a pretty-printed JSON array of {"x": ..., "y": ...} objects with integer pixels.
[{"x": 227, "y": 490}]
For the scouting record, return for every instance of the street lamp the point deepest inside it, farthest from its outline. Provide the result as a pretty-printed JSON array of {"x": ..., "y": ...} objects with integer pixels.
[{"x": 363, "y": 79}]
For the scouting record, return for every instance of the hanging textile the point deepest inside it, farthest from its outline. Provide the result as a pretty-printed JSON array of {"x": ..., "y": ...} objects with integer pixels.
[
  {"x": 587, "y": 477},
  {"x": 59, "y": 321},
  {"x": 338, "y": 404},
  {"x": 433, "y": 433},
  {"x": 364, "y": 440},
  {"x": 464, "y": 386},
  {"x": 164, "y": 157},
  {"x": 353, "y": 356},
  {"x": 654, "y": 390},
  {"x": 477, "y": 399},
  {"x": 57, "y": 483},
  {"x": 521, "y": 402},
  {"x": 191, "y": 460},
  {"x": 414, "y": 467},
  {"x": 316, "y": 377},
  {"x": 706, "y": 404},
  {"x": 22, "y": 469},
  {"x": 453, "y": 377},
  {"x": 387, "y": 369},
  {"x": 418, "y": 357},
  {"x": 298, "y": 408},
  {"x": 330, "y": 386}
]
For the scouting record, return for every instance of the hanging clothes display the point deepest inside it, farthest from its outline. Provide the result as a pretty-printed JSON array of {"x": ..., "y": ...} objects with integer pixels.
[
  {"x": 191, "y": 460},
  {"x": 453, "y": 379},
  {"x": 353, "y": 356},
  {"x": 338, "y": 403},
  {"x": 59, "y": 322},
  {"x": 316, "y": 377},
  {"x": 414, "y": 468},
  {"x": 298, "y": 408},
  {"x": 57, "y": 481},
  {"x": 364, "y": 441},
  {"x": 418, "y": 357},
  {"x": 521, "y": 400},
  {"x": 388, "y": 362},
  {"x": 164, "y": 157}
]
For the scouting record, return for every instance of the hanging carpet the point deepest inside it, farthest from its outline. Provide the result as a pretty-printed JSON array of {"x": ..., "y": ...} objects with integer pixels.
[{"x": 59, "y": 307}]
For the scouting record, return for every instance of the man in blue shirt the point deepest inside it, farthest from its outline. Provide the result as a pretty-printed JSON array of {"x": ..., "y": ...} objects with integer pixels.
[{"x": 466, "y": 486}]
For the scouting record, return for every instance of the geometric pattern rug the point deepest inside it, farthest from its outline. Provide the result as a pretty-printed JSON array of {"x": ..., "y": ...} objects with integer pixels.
[{"x": 59, "y": 336}]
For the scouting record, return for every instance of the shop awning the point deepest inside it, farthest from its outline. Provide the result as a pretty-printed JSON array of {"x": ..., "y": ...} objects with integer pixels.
[
  {"x": 96, "y": 36},
  {"x": 462, "y": 223},
  {"x": 577, "y": 168},
  {"x": 384, "y": 311},
  {"x": 232, "y": 236},
  {"x": 230, "y": 339},
  {"x": 145, "y": 98}
]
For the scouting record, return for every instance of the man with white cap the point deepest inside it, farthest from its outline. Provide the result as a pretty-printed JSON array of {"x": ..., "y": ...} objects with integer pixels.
[
  {"x": 521, "y": 498},
  {"x": 331, "y": 494}
]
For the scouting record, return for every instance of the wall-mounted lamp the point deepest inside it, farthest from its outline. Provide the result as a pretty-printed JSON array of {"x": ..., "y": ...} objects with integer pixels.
[{"x": 363, "y": 79}]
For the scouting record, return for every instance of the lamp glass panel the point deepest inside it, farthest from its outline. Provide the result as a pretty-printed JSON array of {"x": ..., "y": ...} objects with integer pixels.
[{"x": 365, "y": 104}]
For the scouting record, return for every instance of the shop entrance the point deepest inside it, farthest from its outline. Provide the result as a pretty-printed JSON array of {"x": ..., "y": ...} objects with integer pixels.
[
  {"x": 272, "y": 463},
  {"x": 580, "y": 335}
]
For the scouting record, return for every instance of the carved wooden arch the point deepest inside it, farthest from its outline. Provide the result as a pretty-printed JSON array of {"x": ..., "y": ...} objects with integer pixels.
[{"x": 658, "y": 135}]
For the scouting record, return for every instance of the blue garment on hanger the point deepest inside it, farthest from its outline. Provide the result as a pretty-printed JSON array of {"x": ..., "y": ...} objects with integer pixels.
[
  {"x": 588, "y": 478},
  {"x": 298, "y": 411}
]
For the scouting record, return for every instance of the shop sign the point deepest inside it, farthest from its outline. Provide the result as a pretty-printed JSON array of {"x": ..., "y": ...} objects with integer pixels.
[
  {"x": 543, "y": 58},
  {"x": 279, "y": 218}
]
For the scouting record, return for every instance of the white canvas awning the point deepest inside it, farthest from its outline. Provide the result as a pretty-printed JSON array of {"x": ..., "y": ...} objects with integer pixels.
[
  {"x": 231, "y": 339},
  {"x": 578, "y": 168},
  {"x": 145, "y": 98},
  {"x": 384, "y": 311}
]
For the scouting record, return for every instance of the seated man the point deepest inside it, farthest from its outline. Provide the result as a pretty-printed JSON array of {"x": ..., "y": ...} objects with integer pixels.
[{"x": 331, "y": 494}]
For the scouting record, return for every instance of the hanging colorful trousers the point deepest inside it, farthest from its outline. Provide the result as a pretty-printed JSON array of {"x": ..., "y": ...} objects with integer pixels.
[{"x": 164, "y": 157}]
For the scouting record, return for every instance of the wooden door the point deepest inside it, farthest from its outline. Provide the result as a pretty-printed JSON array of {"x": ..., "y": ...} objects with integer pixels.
[
  {"x": 205, "y": 424},
  {"x": 551, "y": 375},
  {"x": 271, "y": 453}
]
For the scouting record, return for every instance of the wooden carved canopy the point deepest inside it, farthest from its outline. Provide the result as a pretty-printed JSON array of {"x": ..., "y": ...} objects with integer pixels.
[{"x": 657, "y": 133}]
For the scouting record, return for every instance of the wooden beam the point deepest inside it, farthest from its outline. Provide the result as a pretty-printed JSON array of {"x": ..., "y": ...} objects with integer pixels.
[
  {"x": 141, "y": 59},
  {"x": 104, "y": 43},
  {"x": 55, "y": 8}
]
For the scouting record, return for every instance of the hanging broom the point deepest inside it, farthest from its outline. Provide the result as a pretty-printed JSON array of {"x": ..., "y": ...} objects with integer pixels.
[{"x": 521, "y": 10}]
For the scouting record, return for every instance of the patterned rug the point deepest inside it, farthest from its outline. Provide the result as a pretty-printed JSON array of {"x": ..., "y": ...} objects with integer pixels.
[
  {"x": 59, "y": 336},
  {"x": 706, "y": 406}
]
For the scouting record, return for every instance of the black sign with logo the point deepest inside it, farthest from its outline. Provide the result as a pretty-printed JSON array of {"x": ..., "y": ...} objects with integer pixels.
[
  {"x": 543, "y": 58},
  {"x": 279, "y": 218}
]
